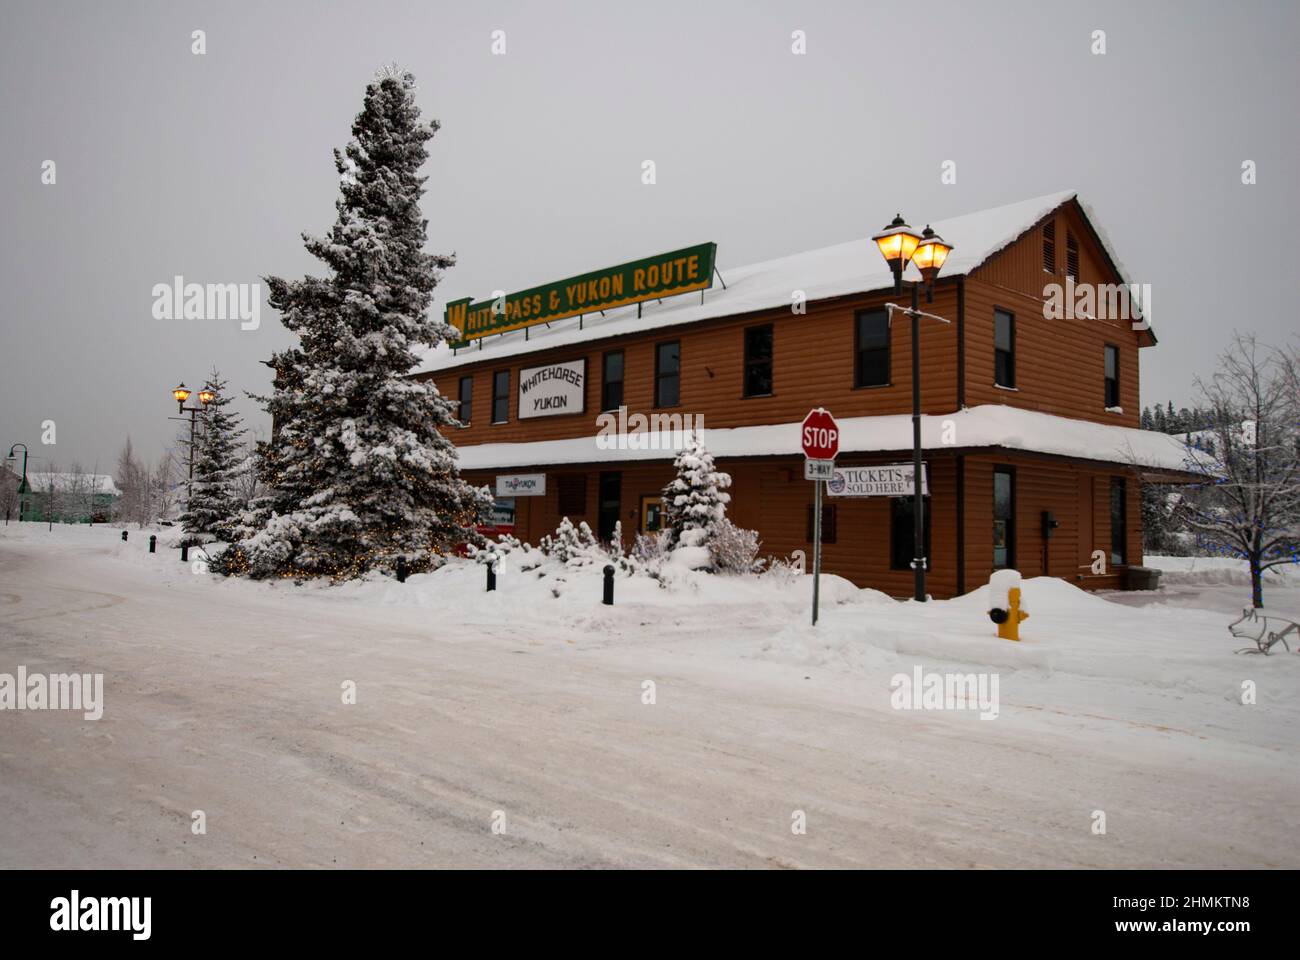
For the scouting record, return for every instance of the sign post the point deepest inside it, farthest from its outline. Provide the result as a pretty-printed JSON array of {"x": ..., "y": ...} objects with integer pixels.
[{"x": 820, "y": 438}]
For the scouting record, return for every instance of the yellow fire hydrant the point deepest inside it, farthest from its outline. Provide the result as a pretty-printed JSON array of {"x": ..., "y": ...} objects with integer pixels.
[{"x": 1009, "y": 629}]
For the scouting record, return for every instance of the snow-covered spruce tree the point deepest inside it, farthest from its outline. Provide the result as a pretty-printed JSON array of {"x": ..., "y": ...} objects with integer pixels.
[
  {"x": 1248, "y": 453},
  {"x": 695, "y": 501},
  {"x": 214, "y": 506},
  {"x": 269, "y": 498},
  {"x": 357, "y": 472}
]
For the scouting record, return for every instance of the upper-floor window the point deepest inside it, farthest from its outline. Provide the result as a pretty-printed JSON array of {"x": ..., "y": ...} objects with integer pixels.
[
  {"x": 1071, "y": 256},
  {"x": 1004, "y": 348},
  {"x": 758, "y": 361},
  {"x": 611, "y": 381},
  {"x": 871, "y": 348},
  {"x": 501, "y": 396},
  {"x": 1049, "y": 246},
  {"x": 466, "y": 399},
  {"x": 1112, "y": 375},
  {"x": 1118, "y": 521},
  {"x": 668, "y": 374}
]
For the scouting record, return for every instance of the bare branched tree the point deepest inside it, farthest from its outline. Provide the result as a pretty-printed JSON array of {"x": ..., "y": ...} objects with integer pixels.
[
  {"x": 9, "y": 500},
  {"x": 1248, "y": 501},
  {"x": 133, "y": 480},
  {"x": 164, "y": 488}
]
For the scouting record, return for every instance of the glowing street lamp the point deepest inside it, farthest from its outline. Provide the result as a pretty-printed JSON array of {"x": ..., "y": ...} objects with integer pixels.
[
  {"x": 929, "y": 257},
  {"x": 181, "y": 393},
  {"x": 897, "y": 243},
  {"x": 928, "y": 253}
]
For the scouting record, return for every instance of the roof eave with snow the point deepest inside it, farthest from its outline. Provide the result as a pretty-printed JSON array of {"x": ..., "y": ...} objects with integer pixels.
[{"x": 991, "y": 427}]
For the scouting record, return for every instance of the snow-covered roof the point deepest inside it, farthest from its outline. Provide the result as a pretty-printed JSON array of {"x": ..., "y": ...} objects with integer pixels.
[
  {"x": 846, "y": 268},
  {"x": 100, "y": 483},
  {"x": 984, "y": 426}
]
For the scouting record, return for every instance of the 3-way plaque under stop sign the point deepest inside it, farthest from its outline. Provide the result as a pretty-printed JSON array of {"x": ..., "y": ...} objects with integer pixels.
[{"x": 820, "y": 435}]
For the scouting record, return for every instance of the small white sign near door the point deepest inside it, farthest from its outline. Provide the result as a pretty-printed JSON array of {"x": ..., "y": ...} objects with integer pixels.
[{"x": 521, "y": 485}]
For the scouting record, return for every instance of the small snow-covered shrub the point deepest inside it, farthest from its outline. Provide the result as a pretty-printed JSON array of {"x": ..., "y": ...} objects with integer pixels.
[
  {"x": 507, "y": 551},
  {"x": 570, "y": 545},
  {"x": 734, "y": 549},
  {"x": 494, "y": 551},
  {"x": 650, "y": 551},
  {"x": 783, "y": 570}
]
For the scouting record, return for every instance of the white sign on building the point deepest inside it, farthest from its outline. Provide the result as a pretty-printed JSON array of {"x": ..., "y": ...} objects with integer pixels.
[
  {"x": 553, "y": 389},
  {"x": 887, "y": 480},
  {"x": 521, "y": 485}
]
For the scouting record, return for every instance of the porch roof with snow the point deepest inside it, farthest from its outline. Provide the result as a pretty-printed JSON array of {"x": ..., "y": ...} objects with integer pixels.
[
  {"x": 984, "y": 427},
  {"x": 841, "y": 270}
]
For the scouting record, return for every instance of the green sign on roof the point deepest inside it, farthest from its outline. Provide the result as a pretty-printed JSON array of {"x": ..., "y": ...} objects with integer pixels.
[{"x": 665, "y": 275}]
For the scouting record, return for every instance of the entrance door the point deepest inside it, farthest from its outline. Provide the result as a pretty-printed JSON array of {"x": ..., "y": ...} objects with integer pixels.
[
  {"x": 652, "y": 513},
  {"x": 608, "y": 506}
]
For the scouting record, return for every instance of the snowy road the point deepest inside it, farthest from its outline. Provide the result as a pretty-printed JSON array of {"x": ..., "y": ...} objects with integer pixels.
[{"x": 225, "y": 697}]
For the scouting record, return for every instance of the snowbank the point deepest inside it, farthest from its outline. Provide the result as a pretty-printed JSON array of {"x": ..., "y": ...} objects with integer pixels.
[{"x": 1213, "y": 570}]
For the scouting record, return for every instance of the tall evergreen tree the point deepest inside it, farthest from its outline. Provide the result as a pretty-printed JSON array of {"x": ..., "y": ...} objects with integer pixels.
[
  {"x": 695, "y": 501},
  {"x": 213, "y": 507},
  {"x": 358, "y": 471}
]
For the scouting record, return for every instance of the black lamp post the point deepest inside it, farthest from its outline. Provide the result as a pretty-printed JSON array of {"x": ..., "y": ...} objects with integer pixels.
[
  {"x": 181, "y": 394},
  {"x": 22, "y": 486},
  {"x": 927, "y": 251}
]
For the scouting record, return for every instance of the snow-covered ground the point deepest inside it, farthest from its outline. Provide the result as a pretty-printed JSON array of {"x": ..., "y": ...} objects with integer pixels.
[{"x": 528, "y": 703}]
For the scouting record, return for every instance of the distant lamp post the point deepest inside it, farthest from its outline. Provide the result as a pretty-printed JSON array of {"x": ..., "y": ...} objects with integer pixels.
[
  {"x": 899, "y": 245},
  {"x": 22, "y": 485},
  {"x": 181, "y": 393}
]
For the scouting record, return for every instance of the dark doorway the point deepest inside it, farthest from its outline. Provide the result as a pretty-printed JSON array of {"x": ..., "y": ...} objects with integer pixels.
[{"x": 611, "y": 488}]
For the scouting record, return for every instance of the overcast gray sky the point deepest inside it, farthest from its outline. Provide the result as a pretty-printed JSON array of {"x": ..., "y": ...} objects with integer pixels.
[{"x": 210, "y": 166}]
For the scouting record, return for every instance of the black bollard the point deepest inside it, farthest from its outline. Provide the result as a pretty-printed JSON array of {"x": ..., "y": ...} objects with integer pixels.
[
  {"x": 608, "y": 599},
  {"x": 153, "y": 543},
  {"x": 401, "y": 569},
  {"x": 492, "y": 576},
  {"x": 124, "y": 536},
  {"x": 185, "y": 553}
]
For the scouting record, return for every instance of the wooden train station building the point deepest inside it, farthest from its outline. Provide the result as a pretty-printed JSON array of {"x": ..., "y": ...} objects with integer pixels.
[{"x": 574, "y": 396}]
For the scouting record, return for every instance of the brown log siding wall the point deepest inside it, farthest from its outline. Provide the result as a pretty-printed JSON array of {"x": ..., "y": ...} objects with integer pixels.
[{"x": 770, "y": 495}]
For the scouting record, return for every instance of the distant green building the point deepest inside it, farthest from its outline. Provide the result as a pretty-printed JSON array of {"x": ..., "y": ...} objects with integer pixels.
[{"x": 68, "y": 497}]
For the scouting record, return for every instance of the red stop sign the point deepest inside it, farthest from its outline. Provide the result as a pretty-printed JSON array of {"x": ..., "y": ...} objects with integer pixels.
[{"x": 820, "y": 435}]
